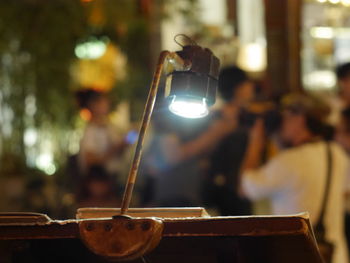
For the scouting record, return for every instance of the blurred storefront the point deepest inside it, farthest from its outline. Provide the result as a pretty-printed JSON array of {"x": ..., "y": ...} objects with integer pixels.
[
  {"x": 306, "y": 40},
  {"x": 326, "y": 41}
]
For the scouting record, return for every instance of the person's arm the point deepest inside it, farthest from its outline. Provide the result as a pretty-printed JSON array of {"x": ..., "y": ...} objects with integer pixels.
[
  {"x": 261, "y": 181},
  {"x": 264, "y": 181},
  {"x": 255, "y": 147},
  {"x": 207, "y": 140},
  {"x": 347, "y": 178},
  {"x": 175, "y": 152},
  {"x": 271, "y": 178}
]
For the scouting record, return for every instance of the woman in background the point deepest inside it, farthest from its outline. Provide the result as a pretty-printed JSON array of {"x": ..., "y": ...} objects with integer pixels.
[{"x": 101, "y": 145}]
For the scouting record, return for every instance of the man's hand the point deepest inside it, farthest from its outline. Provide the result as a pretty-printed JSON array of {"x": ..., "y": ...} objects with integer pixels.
[
  {"x": 257, "y": 133},
  {"x": 255, "y": 146},
  {"x": 254, "y": 150}
]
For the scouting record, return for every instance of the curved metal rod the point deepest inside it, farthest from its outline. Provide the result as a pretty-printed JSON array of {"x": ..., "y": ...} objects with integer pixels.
[{"x": 145, "y": 123}]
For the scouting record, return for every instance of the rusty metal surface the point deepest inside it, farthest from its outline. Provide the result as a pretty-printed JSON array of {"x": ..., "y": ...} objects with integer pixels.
[
  {"x": 52, "y": 230},
  {"x": 14, "y": 218},
  {"x": 121, "y": 238},
  {"x": 145, "y": 123},
  {"x": 162, "y": 212}
]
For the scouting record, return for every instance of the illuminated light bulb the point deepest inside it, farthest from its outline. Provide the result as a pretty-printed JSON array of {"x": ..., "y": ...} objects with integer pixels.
[
  {"x": 334, "y": 1},
  {"x": 189, "y": 108}
]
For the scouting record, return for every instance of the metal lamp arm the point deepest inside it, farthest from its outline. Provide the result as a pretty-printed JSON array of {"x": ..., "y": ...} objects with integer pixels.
[{"x": 178, "y": 63}]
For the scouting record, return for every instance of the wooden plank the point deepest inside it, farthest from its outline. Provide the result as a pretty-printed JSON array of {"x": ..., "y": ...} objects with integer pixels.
[
  {"x": 212, "y": 226},
  {"x": 226, "y": 239}
]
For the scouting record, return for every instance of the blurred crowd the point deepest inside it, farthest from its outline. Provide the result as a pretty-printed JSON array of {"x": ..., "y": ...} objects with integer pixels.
[{"x": 253, "y": 154}]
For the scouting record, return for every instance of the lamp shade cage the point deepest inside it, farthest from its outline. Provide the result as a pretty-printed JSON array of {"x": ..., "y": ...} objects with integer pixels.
[{"x": 191, "y": 91}]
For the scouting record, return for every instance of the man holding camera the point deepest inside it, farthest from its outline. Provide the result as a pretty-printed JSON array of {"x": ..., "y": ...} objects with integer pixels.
[
  {"x": 237, "y": 91},
  {"x": 299, "y": 178}
]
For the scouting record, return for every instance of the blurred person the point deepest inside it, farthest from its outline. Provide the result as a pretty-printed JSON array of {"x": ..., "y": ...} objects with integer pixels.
[
  {"x": 295, "y": 179},
  {"x": 97, "y": 189},
  {"x": 343, "y": 76},
  {"x": 342, "y": 101},
  {"x": 237, "y": 92},
  {"x": 343, "y": 138},
  {"x": 173, "y": 159},
  {"x": 343, "y": 130},
  {"x": 101, "y": 143}
]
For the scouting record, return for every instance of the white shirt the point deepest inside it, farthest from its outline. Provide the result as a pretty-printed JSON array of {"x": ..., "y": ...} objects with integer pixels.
[
  {"x": 98, "y": 139},
  {"x": 294, "y": 181}
]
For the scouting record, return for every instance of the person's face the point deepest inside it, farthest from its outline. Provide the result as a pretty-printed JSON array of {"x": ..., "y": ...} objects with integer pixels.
[
  {"x": 245, "y": 92},
  {"x": 344, "y": 85},
  {"x": 100, "y": 107},
  {"x": 98, "y": 189},
  {"x": 292, "y": 124},
  {"x": 342, "y": 135}
]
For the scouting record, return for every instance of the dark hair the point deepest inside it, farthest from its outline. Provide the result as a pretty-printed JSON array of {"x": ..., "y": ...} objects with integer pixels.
[
  {"x": 319, "y": 128},
  {"x": 314, "y": 109},
  {"x": 229, "y": 80},
  {"x": 86, "y": 96},
  {"x": 314, "y": 124},
  {"x": 96, "y": 173},
  {"x": 343, "y": 71}
]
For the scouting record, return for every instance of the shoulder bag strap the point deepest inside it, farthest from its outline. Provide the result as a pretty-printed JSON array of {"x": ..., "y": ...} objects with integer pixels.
[{"x": 320, "y": 227}]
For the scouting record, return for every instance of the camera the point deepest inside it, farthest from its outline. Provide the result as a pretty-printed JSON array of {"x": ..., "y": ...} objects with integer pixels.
[{"x": 266, "y": 110}]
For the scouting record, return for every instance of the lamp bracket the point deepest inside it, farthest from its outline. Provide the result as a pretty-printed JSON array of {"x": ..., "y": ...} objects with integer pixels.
[
  {"x": 177, "y": 63},
  {"x": 121, "y": 238}
]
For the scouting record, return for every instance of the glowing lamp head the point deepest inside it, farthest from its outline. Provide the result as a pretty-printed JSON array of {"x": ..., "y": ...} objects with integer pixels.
[
  {"x": 191, "y": 108},
  {"x": 192, "y": 91}
]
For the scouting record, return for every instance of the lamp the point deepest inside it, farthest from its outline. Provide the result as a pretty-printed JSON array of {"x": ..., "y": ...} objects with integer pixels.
[
  {"x": 191, "y": 91},
  {"x": 191, "y": 82}
]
